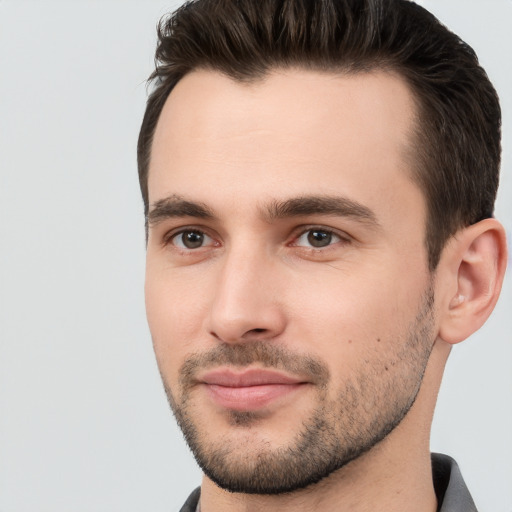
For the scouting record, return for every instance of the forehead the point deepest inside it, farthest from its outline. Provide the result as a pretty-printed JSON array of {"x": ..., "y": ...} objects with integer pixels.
[{"x": 276, "y": 137}]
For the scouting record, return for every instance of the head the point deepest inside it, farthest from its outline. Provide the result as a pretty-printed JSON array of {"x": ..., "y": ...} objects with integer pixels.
[
  {"x": 304, "y": 167},
  {"x": 455, "y": 150}
]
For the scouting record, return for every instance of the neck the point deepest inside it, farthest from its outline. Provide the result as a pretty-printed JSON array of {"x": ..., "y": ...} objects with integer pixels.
[{"x": 395, "y": 475}]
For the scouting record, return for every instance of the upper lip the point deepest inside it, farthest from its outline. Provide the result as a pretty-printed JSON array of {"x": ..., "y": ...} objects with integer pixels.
[{"x": 249, "y": 377}]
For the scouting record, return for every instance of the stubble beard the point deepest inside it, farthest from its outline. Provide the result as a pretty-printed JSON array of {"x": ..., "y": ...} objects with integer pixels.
[{"x": 337, "y": 431}]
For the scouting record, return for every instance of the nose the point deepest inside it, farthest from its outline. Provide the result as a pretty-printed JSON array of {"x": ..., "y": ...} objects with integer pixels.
[{"x": 247, "y": 304}]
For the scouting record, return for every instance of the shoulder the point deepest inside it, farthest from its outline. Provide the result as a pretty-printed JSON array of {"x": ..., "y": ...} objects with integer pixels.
[
  {"x": 192, "y": 501},
  {"x": 451, "y": 491}
]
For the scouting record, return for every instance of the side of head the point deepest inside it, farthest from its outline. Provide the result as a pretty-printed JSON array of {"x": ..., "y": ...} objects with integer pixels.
[{"x": 455, "y": 152}]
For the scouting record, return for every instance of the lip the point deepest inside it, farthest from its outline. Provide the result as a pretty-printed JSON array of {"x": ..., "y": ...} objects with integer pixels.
[
  {"x": 249, "y": 390},
  {"x": 247, "y": 378}
]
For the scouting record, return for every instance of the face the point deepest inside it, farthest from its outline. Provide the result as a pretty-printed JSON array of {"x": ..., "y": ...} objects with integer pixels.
[{"x": 287, "y": 289}]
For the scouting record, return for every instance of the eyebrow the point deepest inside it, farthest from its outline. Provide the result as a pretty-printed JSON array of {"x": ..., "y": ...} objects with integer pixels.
[
  {"x": 176, "y": 206},
  {"x": 338, "y": 206}
]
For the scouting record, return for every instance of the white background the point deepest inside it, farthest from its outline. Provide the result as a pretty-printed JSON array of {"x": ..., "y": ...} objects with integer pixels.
[{"x": 84, "y": 424}]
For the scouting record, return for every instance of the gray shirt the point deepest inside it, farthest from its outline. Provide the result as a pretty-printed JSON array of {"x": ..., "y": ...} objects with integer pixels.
[{"x": 451, "y": 491}]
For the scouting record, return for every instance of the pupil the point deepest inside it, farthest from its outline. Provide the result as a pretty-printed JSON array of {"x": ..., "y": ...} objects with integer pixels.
[
  {"x": 319, "y": 238},
  {"x": 192, "y": 239}
]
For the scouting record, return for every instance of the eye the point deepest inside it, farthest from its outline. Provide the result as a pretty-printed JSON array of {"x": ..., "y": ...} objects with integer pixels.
[
  {"x": 191, "y": 239},
  {"x": 317, "y": 238}
]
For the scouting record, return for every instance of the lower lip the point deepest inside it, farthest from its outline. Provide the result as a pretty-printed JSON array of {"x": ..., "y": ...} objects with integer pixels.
[{"x": 249, "y": 398}]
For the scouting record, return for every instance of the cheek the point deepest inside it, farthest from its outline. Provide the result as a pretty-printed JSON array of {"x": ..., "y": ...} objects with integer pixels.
[
  {"x": 347, "y": 321},
  {"x": 347, "y": 304},
  {"x": 175, "y": 315}
]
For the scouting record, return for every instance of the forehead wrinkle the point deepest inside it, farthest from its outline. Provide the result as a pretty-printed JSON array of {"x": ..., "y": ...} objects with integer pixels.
[{"x": 338, "y": 206}]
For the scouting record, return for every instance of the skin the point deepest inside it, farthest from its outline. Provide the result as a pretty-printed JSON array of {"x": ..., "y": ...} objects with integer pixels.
[{"x": 237, "y": 151}]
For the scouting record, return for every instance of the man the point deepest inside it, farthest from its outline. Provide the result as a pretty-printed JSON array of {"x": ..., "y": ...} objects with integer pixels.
[{"x": 318, "y": 180}]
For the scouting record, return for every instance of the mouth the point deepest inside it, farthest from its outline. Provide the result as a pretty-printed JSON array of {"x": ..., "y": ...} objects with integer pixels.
[{"x": 250, "y": 389}]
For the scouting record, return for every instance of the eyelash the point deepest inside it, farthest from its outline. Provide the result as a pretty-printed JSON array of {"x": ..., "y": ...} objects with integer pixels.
[
  {"x": 342, "y": 238},
  {"x": 329, "y": 233},
  {"x": 173, "y": 235}
]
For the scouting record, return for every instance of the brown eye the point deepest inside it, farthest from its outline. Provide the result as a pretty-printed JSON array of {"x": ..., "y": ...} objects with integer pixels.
[
  {"x": 190, "y": 239},
  {"x": 319, "y": 238}
]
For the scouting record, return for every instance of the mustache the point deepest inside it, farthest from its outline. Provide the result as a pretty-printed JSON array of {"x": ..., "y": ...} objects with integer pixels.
[{"x": 262, "y": 353}]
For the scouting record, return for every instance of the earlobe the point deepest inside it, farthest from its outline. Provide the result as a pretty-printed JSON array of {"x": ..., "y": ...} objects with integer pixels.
[{"x": 477, "y": 258}]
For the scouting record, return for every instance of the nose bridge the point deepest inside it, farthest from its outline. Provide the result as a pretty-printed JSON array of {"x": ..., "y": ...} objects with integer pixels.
[{"x": 244, "y": 303}]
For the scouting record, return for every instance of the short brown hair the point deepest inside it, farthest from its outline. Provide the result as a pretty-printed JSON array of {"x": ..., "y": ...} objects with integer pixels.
[{"x": 457, "y": 144}]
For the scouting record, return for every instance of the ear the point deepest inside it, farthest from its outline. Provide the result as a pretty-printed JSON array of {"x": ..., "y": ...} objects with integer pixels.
[{"x": 474, "y": 263}]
